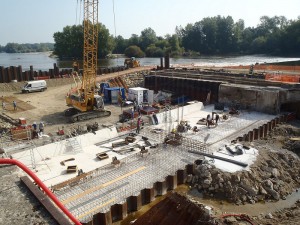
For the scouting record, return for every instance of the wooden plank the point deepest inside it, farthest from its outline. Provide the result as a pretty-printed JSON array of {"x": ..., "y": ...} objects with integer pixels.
[
  {"x": 88, "y": 191},
  {"x": 71, "y": 181},
  {"x": 57, "y": 215}
]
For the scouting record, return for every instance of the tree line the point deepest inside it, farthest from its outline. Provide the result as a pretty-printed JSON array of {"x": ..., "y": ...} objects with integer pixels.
[
  {"x": 211, "y": 36},
  {"x": 26, "y": 48},
  {"x": 217, "y": 35}
]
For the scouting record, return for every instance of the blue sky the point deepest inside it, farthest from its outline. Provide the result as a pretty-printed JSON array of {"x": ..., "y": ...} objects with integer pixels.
[{"x": 35, "y": 21}]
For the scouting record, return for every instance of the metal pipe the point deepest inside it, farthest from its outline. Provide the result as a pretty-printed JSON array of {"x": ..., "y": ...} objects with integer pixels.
[
  {"x": 41, "y": 185},
  {"x": 220, "y": 158}
]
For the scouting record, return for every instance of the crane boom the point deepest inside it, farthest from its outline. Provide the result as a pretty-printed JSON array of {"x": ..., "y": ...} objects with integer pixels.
[
  {"x": 84, "y": 103},
  {"x": 90, "y": 32}
]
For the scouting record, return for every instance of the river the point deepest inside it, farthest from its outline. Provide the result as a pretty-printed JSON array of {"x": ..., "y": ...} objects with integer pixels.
[{"x": 43, "y": 61}]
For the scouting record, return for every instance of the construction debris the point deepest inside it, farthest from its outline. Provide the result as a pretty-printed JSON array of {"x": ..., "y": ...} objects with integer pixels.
[
  {"x": 67, "y": 160},
  {"x": 102, "y": 156}
]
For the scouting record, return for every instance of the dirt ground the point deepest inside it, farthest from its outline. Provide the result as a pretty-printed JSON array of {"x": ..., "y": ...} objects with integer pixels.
[
  {"x": 18, "y": 206},
  {"x": 49, "y": 106}
]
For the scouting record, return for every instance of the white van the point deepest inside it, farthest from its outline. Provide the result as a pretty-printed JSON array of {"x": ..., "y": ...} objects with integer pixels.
[{"x": 35, "y": 85}]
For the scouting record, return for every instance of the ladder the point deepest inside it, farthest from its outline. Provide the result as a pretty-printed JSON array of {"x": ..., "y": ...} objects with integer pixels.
[{"x": 72, "y": 143}]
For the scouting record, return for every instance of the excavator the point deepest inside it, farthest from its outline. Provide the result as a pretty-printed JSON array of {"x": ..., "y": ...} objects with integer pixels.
[
  {"x": 131, "y": 63},
  {"x": 83, "y": 100}
]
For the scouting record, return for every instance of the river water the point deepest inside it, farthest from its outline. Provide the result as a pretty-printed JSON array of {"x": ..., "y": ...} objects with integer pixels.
[{"x": 42, "y": 61}]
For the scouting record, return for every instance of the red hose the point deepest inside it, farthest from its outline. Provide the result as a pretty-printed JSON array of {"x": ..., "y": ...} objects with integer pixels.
[{"x": 43, "y": 186}]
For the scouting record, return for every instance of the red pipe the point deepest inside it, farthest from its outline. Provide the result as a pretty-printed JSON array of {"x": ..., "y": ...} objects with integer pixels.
[{"x": 43, "y": 186}]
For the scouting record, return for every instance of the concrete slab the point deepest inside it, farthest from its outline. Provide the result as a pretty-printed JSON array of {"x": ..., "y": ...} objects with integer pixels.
[{"x": 111, "y": 185}]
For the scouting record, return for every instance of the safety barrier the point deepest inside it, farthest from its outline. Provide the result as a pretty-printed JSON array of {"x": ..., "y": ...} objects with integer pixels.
[{"x": 283, "y": 78}]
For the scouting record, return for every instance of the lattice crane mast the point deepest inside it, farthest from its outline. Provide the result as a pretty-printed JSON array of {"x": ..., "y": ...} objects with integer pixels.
[{"x": 85, "y": 103}]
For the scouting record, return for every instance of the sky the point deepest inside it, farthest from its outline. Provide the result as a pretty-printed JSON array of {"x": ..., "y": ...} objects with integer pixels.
[{"x": 35, "y": 21}]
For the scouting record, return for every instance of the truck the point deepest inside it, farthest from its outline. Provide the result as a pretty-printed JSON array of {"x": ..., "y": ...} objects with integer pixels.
[{"x": 35, "y": 85}]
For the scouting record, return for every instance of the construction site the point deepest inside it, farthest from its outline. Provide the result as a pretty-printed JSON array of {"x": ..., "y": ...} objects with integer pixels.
[
  {"x": 149, "y": 145},
  {"x": 103, "y": 175}
]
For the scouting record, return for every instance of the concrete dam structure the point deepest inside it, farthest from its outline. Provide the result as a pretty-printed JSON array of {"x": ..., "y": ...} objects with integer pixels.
[{"x": 251, "y": 93}]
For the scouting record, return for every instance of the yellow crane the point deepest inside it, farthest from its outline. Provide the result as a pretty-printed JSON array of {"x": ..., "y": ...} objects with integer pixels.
[{"x": 84, "y": 103}]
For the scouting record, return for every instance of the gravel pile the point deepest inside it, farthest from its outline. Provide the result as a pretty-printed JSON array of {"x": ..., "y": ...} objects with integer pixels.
[{"x": 274, "y": 177}]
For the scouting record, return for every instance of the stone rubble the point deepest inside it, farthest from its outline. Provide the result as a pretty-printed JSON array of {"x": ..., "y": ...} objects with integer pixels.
[{"x": 274, "y": 177}]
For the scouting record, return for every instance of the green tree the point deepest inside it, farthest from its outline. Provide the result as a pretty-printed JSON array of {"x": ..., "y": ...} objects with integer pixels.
[
  {"x": 134, "y": 51},
  {"x": 224, "y": 42},
  {"x": 153, "y": 51},
  {"x": 209, "y": 28},
  {"x": 174, "y": 43},
  {"x": 147, "y": 38},
  {"x": 290, "y": 40},
  {"x": 192, "y": 37},
  {"x": 162, "y": 44},
  {"x": 105, "y": 41},
  {"x": 134, "y": 40},
  {"x": 258, "y": 44},
  {"x": 120, "y": 45},
  {"x": 272, "y": 28},
  {"x": 238, "y": 29},
  {"x": 248, "y": 35},
  {"x": 11, "y": 48},
  {"x": 69, "y": 42}
]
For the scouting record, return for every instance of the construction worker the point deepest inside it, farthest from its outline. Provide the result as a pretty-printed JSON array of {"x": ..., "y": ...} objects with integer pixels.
[
  {"x": 34, "y": 133},
  {"x": 208, "y": 120},
  {"x": 41, "y": 127},
  {"x": 217, "y": 118},
  {"x": 138, "y": 124},
  {"x": 15, "y": 105},
  {"x": 135, "y": 104}
]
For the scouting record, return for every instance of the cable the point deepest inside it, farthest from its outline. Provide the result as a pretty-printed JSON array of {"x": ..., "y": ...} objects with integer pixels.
[
  {"x": 76, "y": 12},
  {"x": 113, "y": 1},
  {"x": 115, "y": 27},
  {"x": 80, "y": 12}
]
